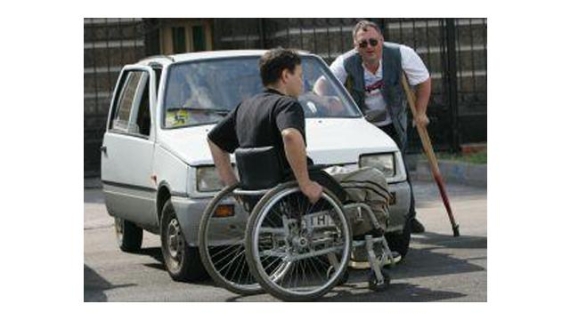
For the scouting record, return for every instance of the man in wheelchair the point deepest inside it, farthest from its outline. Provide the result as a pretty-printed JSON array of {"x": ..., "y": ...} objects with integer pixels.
[
  {"x": 268, "y": 132},
  {"x": 271, "y": 118}
]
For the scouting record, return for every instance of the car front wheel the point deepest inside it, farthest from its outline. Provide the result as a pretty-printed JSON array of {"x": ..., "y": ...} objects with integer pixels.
[
  {"x": 129, "y": 235},
  {"x": 182, "y": 261}
]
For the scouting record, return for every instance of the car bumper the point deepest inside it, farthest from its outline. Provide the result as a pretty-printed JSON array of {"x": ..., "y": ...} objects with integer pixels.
[{"x": 189, "y": 212}]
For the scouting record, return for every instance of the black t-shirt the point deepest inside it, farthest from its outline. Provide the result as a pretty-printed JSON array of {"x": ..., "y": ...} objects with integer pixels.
[{"x": 258, "y": 122}]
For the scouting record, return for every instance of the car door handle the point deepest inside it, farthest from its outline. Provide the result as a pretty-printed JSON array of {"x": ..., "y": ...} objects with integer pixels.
[{"x": 104, "y": 149}]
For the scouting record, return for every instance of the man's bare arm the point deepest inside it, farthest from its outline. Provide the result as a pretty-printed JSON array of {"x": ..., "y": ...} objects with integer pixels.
[
  {"x": 320, "y": 87},
  {"x": 423, "y": 92},
  {"x": 297, "y": 158},
  {"x": 223, "y": 164}
]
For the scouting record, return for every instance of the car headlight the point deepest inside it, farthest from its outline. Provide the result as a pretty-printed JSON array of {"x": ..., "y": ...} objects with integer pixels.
[
  {"x": 383, "y": 162},
  {"x": 207, "y": 179}
]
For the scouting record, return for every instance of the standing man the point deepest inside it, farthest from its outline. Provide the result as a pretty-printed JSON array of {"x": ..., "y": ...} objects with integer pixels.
[{"x": 372, "y": 74}]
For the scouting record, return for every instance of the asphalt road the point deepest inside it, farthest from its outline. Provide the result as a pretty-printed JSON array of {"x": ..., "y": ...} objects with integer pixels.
[{"x": 439, "y": 267}]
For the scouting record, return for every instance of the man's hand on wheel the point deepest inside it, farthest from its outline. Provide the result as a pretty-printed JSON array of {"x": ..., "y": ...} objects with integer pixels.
[{"x": 312, "y": 190}]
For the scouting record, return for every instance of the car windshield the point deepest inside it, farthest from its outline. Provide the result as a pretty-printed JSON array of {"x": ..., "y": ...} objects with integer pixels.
[{"x": 203, "y": 92}]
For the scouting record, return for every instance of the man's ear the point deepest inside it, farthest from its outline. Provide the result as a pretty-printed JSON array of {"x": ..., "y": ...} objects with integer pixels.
[{"x": 285, "y": 75}]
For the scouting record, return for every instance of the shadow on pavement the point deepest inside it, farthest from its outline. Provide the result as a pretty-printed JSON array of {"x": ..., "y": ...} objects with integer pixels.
[
  {"x": 353, "y": 291},
  {"x": 448, "y": 241},
  {"x": 95, "y": 286},
  {"x": 397, "y": 292},
  {"x": 432, "y": 259},
  {"x": 426, "y": 261},
  {"x": 427, "y": 257},
  {"x": 154, "y": 253},
  {"x": 429, "y": 260}
]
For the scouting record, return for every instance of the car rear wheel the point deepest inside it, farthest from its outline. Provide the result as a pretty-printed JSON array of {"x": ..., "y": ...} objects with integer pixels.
[
  {"x": 182, "y": 261},
  {"x": 129, "y": 235}
]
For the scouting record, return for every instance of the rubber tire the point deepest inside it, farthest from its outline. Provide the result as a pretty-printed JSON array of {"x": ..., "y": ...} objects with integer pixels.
[
  {"x": 400, "y": 241},
  {"x": 132, "y": 235},
  {"x": 190, "y": 267},
  {"x": 373, "y": 282},
  {"x": 252, "y": 261},
  {"x": 204, "y": 252}
]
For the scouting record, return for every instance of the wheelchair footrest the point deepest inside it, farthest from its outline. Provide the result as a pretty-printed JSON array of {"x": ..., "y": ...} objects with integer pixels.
[{"x": 378, "y": 278}]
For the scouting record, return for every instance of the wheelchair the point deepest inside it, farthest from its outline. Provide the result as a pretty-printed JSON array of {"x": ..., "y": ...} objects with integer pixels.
[{"x": 263, "y": 235}]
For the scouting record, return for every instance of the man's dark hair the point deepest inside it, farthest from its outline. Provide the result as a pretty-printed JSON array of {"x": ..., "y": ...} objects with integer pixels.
[
  {"x": 364, "y": 25},
  {"x": 274, "y": 61}
]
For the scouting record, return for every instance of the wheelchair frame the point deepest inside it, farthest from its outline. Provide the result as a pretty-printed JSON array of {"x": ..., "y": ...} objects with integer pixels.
[{"x": 243, "y": 270}]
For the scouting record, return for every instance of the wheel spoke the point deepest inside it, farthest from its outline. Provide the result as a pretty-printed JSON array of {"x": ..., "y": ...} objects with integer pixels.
[
  {"x": 222, "y": 246},
  {"x": 303, "y": 271}
]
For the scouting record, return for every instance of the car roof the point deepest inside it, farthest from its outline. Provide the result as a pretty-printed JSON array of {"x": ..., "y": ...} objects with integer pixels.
[{"x": 193, "y": 56}]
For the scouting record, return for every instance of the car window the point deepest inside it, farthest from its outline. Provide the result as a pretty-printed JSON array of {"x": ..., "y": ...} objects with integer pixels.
[
  {"x": 202, "y": 92},
  {"x": 333, "y": 102},
  {"x": 143, "y": 111},
  {"x": 132, "y": 114}
]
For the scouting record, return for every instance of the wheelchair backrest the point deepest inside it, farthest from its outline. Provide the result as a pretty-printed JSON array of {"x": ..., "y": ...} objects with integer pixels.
[{"x": 259, "y": 168}]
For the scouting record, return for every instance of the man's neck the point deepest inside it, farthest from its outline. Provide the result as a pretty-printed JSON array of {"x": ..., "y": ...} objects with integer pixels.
[
  {"x": 277, "y": 88},
  {"x": 372, "y": 67}
]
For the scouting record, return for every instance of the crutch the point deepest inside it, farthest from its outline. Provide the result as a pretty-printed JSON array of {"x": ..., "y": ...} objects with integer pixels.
[{"x": 428, "y": 149}]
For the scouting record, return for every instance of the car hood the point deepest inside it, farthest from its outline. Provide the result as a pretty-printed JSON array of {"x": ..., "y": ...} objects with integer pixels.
[
  {"x": 330, "y": 141},
  {"x": 342, "y": 141}
]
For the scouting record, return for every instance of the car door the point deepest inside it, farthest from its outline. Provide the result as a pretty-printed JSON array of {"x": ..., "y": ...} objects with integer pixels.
[{"x": 128, "y": 148}]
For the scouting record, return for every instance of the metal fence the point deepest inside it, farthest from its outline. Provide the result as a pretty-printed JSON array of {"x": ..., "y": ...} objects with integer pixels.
[
  {"x": 108, "y": 45},
  {"x": 454, "y": 50}
]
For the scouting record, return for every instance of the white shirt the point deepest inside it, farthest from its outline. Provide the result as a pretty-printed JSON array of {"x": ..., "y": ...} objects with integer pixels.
[{"x": 412, "y": 65}]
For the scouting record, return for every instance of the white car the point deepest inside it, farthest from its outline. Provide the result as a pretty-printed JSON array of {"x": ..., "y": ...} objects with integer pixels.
[{"x": 156, "y": 167}]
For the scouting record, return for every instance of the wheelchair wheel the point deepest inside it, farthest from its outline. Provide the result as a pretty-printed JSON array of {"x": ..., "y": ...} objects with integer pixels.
[
  {"x": 342, "y": 280},
  {"x": 292, "y": 245},
  {"x": 222, "y": 244}
]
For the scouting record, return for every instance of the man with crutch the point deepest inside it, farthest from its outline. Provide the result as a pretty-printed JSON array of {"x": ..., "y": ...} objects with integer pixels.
[{"x": 371, "y": 72}]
